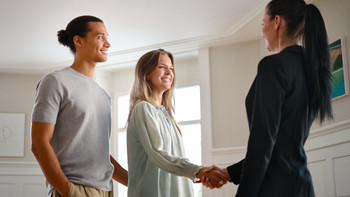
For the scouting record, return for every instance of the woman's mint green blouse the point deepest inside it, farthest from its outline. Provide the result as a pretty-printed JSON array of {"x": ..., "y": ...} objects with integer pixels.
[{"x": 156, "y": 155}]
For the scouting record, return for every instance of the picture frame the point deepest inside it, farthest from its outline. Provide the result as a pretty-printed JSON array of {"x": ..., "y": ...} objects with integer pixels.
[
  {"x": 12, "y": 134},
  {"x": 339, "y": 69}
]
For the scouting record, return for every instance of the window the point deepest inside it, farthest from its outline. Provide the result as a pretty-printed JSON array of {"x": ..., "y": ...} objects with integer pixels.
[
  {"x": 187, "y": 115},
  {"x": 123, "y": 112},
  {"x": 187, "y": 104}
]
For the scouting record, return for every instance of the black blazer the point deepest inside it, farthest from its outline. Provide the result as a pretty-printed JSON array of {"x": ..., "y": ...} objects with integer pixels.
[{"x": 277, "y": 108}]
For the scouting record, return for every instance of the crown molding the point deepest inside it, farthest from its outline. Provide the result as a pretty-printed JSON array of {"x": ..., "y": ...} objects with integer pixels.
[
  {"x": 329, "y": 129},
  {"x": 129, "y": 57},
  {"x": 248, "y": 17}
]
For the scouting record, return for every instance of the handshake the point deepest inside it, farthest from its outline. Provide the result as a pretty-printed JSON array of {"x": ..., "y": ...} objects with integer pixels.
[{"x": 213, "y": 176}]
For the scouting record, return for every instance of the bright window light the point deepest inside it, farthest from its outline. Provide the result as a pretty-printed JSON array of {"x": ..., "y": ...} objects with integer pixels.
[
  {"x": 187, "y": 104},
  {"x": 191, "y": 137},
  {"x": 122, "y": 160},
  {"x": 123, "y": 110}
]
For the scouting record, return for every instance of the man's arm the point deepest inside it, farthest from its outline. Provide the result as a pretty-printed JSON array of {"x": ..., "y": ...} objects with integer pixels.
[
  {"x": 41, "y": 136},
  {"x": 119, "y": 174}
]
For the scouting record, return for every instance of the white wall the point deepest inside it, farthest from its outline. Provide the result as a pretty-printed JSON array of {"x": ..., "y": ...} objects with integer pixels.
[
  {"x": 104, "y": 79},
  {"x": 17, "y": 96},
  {"x": 232, "y": 70},
  {"x": 186, "y": 71},
  {"x": 336, "y": 15},
  {"x": 122, "y": 81}
]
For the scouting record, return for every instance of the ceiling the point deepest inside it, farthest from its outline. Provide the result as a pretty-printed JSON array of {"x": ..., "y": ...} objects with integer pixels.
[{"x": 29, "y": 41}]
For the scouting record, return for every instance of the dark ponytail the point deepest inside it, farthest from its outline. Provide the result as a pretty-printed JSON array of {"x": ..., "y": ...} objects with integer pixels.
[
  {"x": 318, "y": 64},
  {"x": 305, "y": 22},
  {"x": 78, "y": 26}
]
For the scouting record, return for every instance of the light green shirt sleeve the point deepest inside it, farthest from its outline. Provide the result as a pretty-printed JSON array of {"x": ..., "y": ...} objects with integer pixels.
[{"x": 155, "y": 130}]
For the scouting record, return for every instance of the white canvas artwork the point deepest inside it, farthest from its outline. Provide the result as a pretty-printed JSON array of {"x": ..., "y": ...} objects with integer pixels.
[{"x": 12, "y": 134}]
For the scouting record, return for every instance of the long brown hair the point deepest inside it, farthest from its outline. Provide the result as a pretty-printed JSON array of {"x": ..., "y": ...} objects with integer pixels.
[{"x": 143, "y": 90}]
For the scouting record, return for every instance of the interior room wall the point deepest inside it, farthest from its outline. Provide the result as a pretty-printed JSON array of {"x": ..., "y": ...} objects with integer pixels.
[
  {"x": 232, "y": 70},
  {"x": 336, "y": 16},
  {"x": 122, "y": 81},
  {"x": 17, "y": 96},
  {"x": 186, "y": 71},
  {"x": 104, "y": 79}
]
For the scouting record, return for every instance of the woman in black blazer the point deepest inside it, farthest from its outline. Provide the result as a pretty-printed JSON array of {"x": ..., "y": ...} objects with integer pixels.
[{"x": 291, "y": 88}]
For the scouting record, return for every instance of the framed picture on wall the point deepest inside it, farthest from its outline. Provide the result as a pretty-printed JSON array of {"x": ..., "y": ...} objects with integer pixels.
[
  {"x": 12, "y": 134},
  {"x": 340, "y": 84}
]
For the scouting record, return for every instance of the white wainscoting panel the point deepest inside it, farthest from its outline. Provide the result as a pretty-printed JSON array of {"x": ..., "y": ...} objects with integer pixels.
[
  {"x": 8, "y": 189},
  {"x": 19, "y": 179},
  {"x": 318, "y": 170},
  {"x": 330, "y": 144},
  {"x": 342, "y": 175},
  {"x": 328, "y": 151}
]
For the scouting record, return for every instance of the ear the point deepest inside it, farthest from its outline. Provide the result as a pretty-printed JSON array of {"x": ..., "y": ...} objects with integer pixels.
[
  {"x": 78, "y": 41},
  {"x": 278, "y": 21}
]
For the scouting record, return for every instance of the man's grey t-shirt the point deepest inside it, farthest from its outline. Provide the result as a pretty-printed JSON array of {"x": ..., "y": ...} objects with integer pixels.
[{"x": 81, "y": 112}]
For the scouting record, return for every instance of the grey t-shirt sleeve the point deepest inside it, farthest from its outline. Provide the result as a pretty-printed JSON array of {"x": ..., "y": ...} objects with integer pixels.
[{"x": 47, "y": 100}]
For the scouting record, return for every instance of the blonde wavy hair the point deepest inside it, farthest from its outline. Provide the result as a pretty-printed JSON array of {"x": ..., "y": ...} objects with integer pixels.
[{"x": 143, "y": 90}]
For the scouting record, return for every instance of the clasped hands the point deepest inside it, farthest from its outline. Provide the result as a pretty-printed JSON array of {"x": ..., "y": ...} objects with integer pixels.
[{"x": 213, "y": 176}]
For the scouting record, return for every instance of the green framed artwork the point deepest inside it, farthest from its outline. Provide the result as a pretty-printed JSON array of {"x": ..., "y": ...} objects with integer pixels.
[{"x": 340, "y": 83}]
